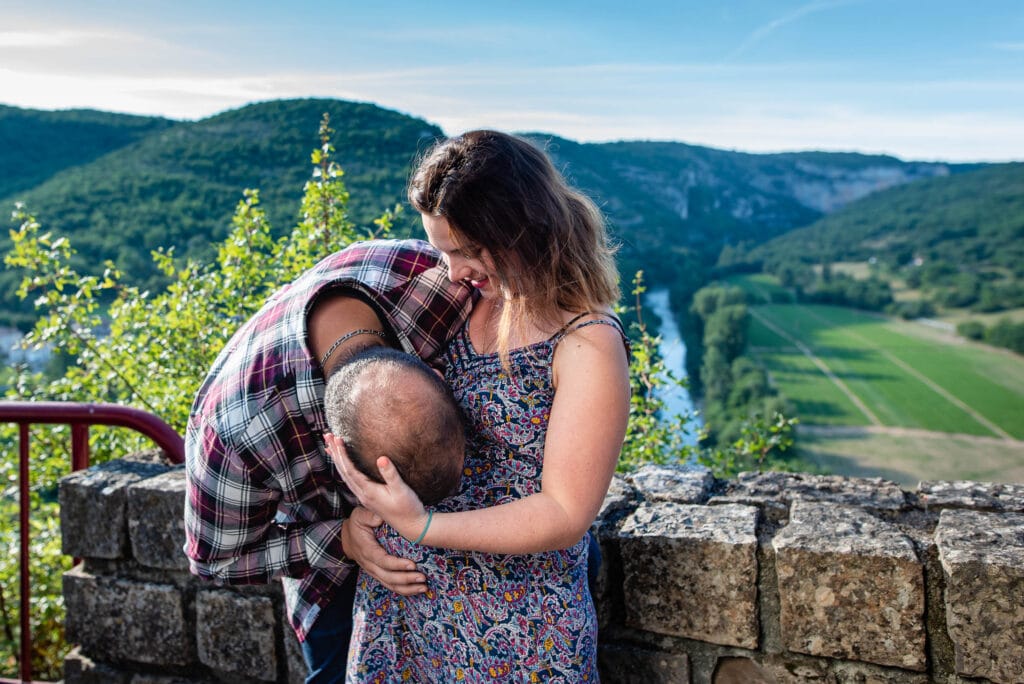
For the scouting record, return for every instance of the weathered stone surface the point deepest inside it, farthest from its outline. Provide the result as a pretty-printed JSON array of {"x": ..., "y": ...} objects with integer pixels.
[
  {"x": 117, "y": 620},
  {"x": 606, "y": 587},
  {"x": 774, "y": 512},
  {"x": 858, "y": 673},
  {"x": 296, "y": 664},
  {"x": 156, "y": 520},
  {"x": 982, "y": 496},
  {"x": 622, "y": 497},
  {"x": 850, "y": 586},
  {"x": 870, "y": 493},
  {"x": 235, "y": 634},
  {"x": 686, "y": 484},
  {"x": 790, "y": 667},
  {"x": 635, "y": 665},
  {"x": 692, "y": 571},
  {"x": 93, "y": 503},
  {"x": 79, "y": 669},
  {"x": 601, "y": 586},
  {"x": 619, "y": 501},
  {"x": 941, "y": 654},
  {"x": 740, "y": 670},
  {"x": 982, "y": 556},
  {"x": 685, "y": 568}
]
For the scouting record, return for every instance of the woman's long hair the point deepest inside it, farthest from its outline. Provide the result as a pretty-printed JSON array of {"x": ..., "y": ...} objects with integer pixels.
[{"x": 548, "y": 241}]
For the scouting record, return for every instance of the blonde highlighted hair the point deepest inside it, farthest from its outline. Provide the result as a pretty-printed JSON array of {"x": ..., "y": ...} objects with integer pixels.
[{"x": 548, "y": 241}]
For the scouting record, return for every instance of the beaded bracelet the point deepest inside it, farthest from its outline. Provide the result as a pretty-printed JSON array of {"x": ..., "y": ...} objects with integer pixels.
[{"x": 344, "y": 338}]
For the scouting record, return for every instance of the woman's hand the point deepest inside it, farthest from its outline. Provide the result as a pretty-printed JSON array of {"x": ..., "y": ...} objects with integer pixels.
[
  {"x": 397, "y": 574},
  {"x": 393, "y": 501}
]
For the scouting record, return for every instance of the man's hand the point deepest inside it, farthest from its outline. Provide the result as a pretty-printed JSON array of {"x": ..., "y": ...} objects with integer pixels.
[{"x": 397, "y": 574}]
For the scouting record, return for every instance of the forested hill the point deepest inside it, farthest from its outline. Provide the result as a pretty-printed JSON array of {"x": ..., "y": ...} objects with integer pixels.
[
  {"x": 668, "y": 199},
  {"x": 121, "y": 186},
  {"x": 180, "y": 185},
  {"x": 970, "y": 223},
  {"x": 35, "y": 145}
]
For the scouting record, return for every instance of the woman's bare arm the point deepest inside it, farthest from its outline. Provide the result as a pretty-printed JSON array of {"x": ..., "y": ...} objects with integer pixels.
[{"x": 584, "y": 438}]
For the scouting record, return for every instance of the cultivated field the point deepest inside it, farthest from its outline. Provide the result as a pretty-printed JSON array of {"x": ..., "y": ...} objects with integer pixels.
[
  {"x": 909, "y": 456},
  {"x": 889, "y": 397},
  {"x": 954, "y": 316}
]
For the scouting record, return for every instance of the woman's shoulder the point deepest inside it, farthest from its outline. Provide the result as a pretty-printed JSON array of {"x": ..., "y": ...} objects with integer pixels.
[
  {"x": 599, "y": 323},
  {"x": 592, "y": 345},
  {"x": 592, "y": 333}
]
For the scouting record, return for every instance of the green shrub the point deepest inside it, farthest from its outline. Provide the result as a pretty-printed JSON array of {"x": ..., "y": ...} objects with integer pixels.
[
  {"x": 145, "y": 350},
  {"x": 972, "y": 330}
]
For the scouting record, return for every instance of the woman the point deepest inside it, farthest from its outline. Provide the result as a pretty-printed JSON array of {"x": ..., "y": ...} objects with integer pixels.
[{"x": 541, "y": 372}]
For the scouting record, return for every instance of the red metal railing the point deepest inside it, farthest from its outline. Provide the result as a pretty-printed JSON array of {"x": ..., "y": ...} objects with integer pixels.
[{"x": 79, "y": 417}]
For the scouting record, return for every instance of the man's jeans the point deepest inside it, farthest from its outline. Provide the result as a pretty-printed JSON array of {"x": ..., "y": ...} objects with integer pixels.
[
  {"x": 326, "y": 646},
  {"x": 594, "y": 560}
]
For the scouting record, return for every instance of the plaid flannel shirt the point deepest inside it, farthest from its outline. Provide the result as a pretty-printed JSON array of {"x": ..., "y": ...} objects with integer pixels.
[{"x": 263, "y": 499}]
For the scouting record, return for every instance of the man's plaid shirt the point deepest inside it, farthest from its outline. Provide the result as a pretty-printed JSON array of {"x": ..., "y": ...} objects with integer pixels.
[{"x": 263, "y": 498}]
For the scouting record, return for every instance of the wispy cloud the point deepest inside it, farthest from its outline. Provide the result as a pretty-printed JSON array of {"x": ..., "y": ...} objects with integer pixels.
[
  {"x": 774, "y": 25},
  {"x": 91, "y": 52},
  {"x": 700, "y": 108},
  {"x": 578, "y": 77},
  {"x": 41, "y": 39}
]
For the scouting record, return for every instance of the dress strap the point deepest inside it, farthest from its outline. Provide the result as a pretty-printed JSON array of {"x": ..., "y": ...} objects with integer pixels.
[
  {"x": 607, "y": 319},
  {"x": 563, "y": 331}
]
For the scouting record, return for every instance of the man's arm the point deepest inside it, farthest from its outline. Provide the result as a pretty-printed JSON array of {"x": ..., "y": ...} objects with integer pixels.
[
  {"x": 231, "y": 534},
  {"x": 332, "y": 318}
]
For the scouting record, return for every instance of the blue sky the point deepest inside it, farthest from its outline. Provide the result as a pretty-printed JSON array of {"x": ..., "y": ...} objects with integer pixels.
[{"x": 919, "y": 79}]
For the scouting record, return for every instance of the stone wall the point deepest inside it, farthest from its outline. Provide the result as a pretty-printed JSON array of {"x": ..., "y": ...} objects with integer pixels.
[{"x": 768, "y": 578}]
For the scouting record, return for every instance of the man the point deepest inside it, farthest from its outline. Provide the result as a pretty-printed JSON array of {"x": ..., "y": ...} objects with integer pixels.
[
  {"x": 263, "y": 499},
  {"x": 384, "y": 402}
]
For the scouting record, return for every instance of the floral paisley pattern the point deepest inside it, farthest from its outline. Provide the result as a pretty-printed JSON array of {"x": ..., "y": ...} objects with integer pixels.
[{"x": 485, "y": 617}]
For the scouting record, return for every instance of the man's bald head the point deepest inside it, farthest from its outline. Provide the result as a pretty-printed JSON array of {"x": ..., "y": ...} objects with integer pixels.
[{"x": 384, "y": 402}]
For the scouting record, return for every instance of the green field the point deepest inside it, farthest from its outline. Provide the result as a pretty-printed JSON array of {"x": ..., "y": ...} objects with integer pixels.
[
  {"x": 761, "y": 288},
  {"x": 886, "y": 397},
  {"x": 901, "y": 376},
  {"x": 954, "y": 316},
  {"x": 909, "y": 456}
]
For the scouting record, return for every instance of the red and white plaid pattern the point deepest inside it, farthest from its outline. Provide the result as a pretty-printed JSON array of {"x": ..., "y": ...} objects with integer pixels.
[{"x": 263, "y": 499}]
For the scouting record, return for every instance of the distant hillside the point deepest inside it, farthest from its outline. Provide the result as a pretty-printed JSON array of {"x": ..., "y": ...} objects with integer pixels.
[
  {"x": 961, "y": 238},
  {"x": 675, "y": 196},
  {"x": 35, "y": 145},
  {"x": 180, "y": 185},
  {"x": 152, "y": 182}
]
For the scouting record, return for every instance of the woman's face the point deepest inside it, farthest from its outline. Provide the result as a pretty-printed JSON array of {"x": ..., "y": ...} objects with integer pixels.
[{"x": 476, "y": 268}]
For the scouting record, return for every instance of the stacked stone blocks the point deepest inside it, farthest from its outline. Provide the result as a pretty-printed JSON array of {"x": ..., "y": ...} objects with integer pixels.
[
  {"x": 134, "y": 611},
  {"x": 771, "y": 577}
]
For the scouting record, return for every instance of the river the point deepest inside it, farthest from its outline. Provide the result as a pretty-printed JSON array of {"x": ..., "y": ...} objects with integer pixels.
[{"x": 673, "y": 352}]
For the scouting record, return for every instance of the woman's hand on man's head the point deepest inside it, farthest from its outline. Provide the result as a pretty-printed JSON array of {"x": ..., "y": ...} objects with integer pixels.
[
  {"x": 394, "y": 501},
  {"x": 348, "y": 471}
]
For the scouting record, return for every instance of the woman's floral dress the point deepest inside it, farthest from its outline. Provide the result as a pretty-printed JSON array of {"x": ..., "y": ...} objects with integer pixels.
[{"x": 486, "y": 617}]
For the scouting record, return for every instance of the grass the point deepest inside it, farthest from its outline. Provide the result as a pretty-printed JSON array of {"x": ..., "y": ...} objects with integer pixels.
[
  {"x": 955, "y": 316},
  {"x": 760, "y": 288},
  {"x": 908, "y": 458},
  {"x": 907, "y": 402},
  {"x": 808, "y": 390},
  {"x": 905, "y": 379},
  {"x": 859, "y": 270}
]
